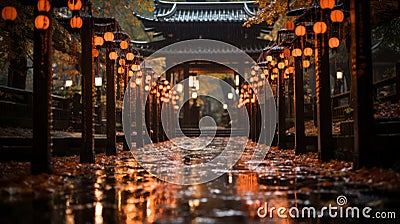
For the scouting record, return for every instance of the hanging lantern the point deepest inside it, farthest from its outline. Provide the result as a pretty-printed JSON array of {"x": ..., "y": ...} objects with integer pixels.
[
  {"x": 275, "y": 70},
  {"x": 337, "y": 16},
  {"x": 273, "y": 62},
  {"x": 296, "y": 52},
  {"x": 300, "y": 31},
  {"x": 281, "y": 65},
  {"x": 113, "y": 55},
  {"x": 269, "y": 58},
  {"x": 109, "y": 36},
  {"x": 307, "y": 51},
  {"x": 98, "y": 41},
  {"x": 95, "y": 53},
  {"x": 130, "y": 56},
  {"x": 43, "y": 6},
  {"x": 306, "y": 63},
  {"x": 74, "y": 5},
  {"x": 291, "y": 70},
  {"x": 130, "y": 73},
  {"x": 9, "y": 13},
  {"x": 320, "y": 27},
  {"x": 286, "y": 53},
  {"x": 121, "y": 62},
  {"x": 327, "y": 4},
  {"x": 334, "y": 42},
  {"x": 124, "y": 45},
  {"x": 42, "y": 22},
  {"x": 290, "y": 25},
  {"x": 76, "y": 22},
  {"x": 121, "y": 70}
]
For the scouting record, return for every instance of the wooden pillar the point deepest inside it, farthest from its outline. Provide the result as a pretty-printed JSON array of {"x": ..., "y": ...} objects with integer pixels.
[
  {"x": 87, "y": 149},
  {"x": 323, "y": 95},
  {"x": 111, "y": 148},
  {"x": 139, "y": 115},
  {"x": 186, "y": 106},
  {"x": 300, "y": 146},
  {"x": 362, "y": 88},
  {"x": 281, "y": 110},
  {"x": 42, "y": 83}
]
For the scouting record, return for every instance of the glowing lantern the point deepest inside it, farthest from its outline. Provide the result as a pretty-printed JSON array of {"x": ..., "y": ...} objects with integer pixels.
[
  {"x": 130, "y": 56},
  {"x": 275, "y": 70},
  {"x": 306, "y": 63},
  {"x": 327, "y": 4},
  {"x": 290, "y": 25},
  {"x": 124, "y": 45},
  {"x": 98, "y": 41},
  {"x": 76, "y": 22},
  {"x": 42, "y": 22},
  {"x": 296, "y": 52},
  {"x": 300, "y": 31},
  {"x": 281, "y": 65},
  {"x": 121, "y": 70},
  {"x": 113, "y": 55},
  {"x": 43, "y": 6},
  {"x": 74, "y": 5},
  {"x": 9, "y": 13},
  {"x": 121, "y": 62},
  {"x": 286, "y": 52},
  {"x": 307, "y": 51},
  {"x": 320, "y": 27},
  {"x": 95, "y": 53},
  {"x": 109, "y": 36},
  {"x": 291, "y": 70},
  {"x": 337, "y": 16},
  {"x": 334, "y": 42},
  {"x": 269, "y": 58}
]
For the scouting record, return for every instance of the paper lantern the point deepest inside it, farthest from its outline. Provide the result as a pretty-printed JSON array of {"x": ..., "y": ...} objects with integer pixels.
[
  {"x": 43, "y": 6},
  {"x": 281, "y": 65},
  {"x": 291, "y": 70},
  {"x": 306, "y": 63},
  {"x": 42, "y": 22},
  {"x": 130, "y": 56},
  {"x": 74, "y": 5},
  {"x": 95, "y": 53},
  {"x": 121, "y": 70},
  {"x": 113, "y": 55},
  {"x": 337, "y": 16},
  {"x": 269, "y": 58},
  {"x": 290, "y": 25},
  {"x": 98, "y": 41},
  {"x": 9, "y": 13},
  {"x": 320, "y": 27},
  {"x": 307, "y": 51},
  {"x": 122, "y": 62},
  {"x": 296, "y": 52},
  {"x": 334, "y": 42},
  {"x": 286, "y": 53},
  {"x": 108, "y": 36},
  {"x": 327, "y": 4},
  {"x": 300, "y": 31},
  {"x": 76, "y": 22},
  {"x": 124, "y": 45}
]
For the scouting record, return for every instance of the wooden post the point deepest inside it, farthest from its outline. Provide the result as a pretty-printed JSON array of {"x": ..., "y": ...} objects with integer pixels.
[
  {"x": 362, "y": 88},
  {"x": 299, "y": 106},
  {"x": 139, "y": 116},
  {"x": 111, "y": 148},
  {"x": 87, "y": 150},
  {"x": 42, "y": 83},
  {"x": 281, "y": 110}
]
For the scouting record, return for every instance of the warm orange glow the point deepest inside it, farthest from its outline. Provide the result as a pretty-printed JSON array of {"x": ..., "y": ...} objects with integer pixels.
[
  {"x": 109, "y": 36},
  {"x": 130, "y": 56},
  {"x": 296, "y": 52},
  {"x": 9, "y": 13},
  {"x": 281, "y": 65},
  {"x": 76, "y": 22},
  {"x": 124, "y": 45},
  {"x": 334, "y": 42},
  {"x": 320, "y": 27},
  {"x": 121, "y": 62},
  {"x": 337, "y": 16},
  {"x": 98, "y": 41},
  {"x": 300, "y": 31},
  {"x": 42, "y": 22},
  {"x": 95, "y": 53},
  {"x": 74, "y": 5},
  {"x": 290, "y": 25},
  {"x": 307, "y": 51},
  {"x": 113, "y": 55},
  {"x": 327, "y": 4},
  {"x": 306, "y": 63},
  {"x": 43, "y": 6},
  {"x": 286, "y": 52},
  {"x": 121, "y": 70}
]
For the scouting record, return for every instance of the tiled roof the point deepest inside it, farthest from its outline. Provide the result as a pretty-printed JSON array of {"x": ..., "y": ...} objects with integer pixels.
[{"x": 202, "y": 11}]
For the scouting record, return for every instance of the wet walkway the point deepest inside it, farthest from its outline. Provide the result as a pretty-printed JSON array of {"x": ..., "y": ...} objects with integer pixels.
[{"x": 118, "y": 190}]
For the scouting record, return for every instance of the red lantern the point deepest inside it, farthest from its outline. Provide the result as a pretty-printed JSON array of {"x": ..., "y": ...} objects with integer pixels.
[
  {"x": 124, "y": 45},
  {"x": 98, "y": 41},
  {"x": 113, "y": 55},
  {"x": 300, "y": 31},
  {"x": 327, "y": 4},
  {"x": 9, "y": 13},
  {"x": 42, "y": 22},
  {"x": 337, "y": 16},
  {"x": 95, "y": 53},
  {"x": 43, "y": 6},
  {"x": 306, "y": 63},
  {"x": 130, "y": 56},
  {"x": 307, "y": 51},
  {"x": 334, "y": 42},
  {"x": 286, "y": 53},
  {"x": 320, "y": 27},
  {"x": 108, "y": 36},
  {"x": 74, "y": 5},
  {"x": 290, "y": 25},
  {"x": 296, "y": 52},
  {"x": 76, "y": 22}
]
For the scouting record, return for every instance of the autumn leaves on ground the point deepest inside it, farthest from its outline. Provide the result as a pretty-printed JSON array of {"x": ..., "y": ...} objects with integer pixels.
[{"x": 16, "y": 180}]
